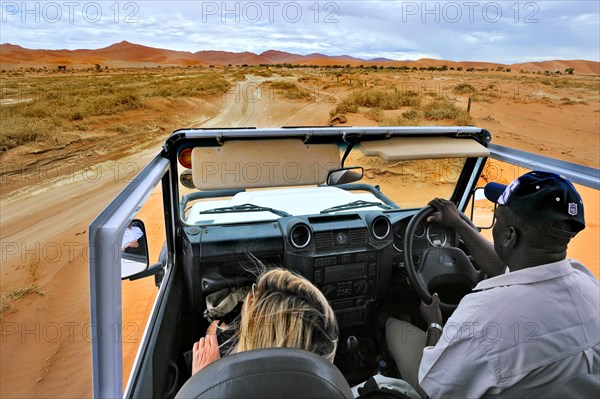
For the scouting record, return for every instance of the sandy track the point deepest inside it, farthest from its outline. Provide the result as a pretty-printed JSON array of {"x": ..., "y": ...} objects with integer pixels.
[
  {"x": 248, "y": 104},
  {"x": 45, "y": 344}
]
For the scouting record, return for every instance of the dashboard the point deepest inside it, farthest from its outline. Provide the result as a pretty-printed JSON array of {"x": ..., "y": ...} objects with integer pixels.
[
  {"x": 426, "y": 235},
  {"x": 350, "y": 257}
]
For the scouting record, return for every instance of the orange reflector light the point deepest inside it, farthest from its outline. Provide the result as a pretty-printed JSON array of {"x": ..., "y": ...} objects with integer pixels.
[{"x": 185, "y": 158}]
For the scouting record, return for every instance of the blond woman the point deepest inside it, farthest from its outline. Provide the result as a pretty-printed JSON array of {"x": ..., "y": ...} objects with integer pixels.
[{"x": 283, "y": 310}]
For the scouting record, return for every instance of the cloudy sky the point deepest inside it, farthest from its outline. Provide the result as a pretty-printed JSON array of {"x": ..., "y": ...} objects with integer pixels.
[{"x": 497, "y": 31}]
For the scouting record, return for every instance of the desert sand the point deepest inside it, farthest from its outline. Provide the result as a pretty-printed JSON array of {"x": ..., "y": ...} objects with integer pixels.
[{"x": 45, "y": 347}]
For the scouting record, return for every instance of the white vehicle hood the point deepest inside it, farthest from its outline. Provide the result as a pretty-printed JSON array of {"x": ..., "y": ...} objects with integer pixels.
[{"x": 295, "y": 201}]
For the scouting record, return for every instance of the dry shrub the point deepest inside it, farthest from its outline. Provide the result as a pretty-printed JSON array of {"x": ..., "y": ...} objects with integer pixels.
[
  {"x": 281, "y": 84},
  {"x": 377, "y": 100},
  {"x": 289, "y": 90},
  {"x": 310, "y": 80},
  {"x": 384, "y": 99},
  {"x": 376, "y": 114},
  {"x": 412, "y": 114},
  {"x": 444, "y": 109},
  {"x": 343, "y": 108},
  {"x": 463, "y": 119},
  {"x": 17, "y": 293},
  {"x": 397, "y": 120},
  {"x": 464, "y": 88},
  {"x": 491, "y": 93},
  {"x": 411, "y": 99}
]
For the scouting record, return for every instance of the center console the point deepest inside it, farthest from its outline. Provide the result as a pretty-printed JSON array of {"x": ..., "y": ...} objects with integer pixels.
[
  {"x": 348, "y": 281},
  {"x": 351, "y": 265}
]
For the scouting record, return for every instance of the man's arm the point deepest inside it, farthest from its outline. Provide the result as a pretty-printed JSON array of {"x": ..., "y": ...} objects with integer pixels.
[{"x": 482, "y": 250}]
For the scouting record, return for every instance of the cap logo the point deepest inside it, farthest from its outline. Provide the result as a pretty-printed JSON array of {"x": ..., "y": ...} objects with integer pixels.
[
  {"x": 508, "y": 192},
  {"x": 572, "y": 209}
]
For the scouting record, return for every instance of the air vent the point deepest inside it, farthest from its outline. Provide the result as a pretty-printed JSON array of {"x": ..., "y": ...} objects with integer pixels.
[
  {"x": 357, "y": 237},
  {"x": 381, "y": 227},
  {"x": 300, "y": 236},
  {"x": 324, "y": 240}
]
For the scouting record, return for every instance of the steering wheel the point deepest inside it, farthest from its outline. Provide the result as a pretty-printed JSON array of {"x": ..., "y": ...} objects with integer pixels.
[{"x": 438, "y": 264}]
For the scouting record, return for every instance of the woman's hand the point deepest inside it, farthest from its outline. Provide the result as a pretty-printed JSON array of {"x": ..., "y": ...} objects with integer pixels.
[
  {"x": 206, "y": 350},
  {"x": 217, "y": 324}
]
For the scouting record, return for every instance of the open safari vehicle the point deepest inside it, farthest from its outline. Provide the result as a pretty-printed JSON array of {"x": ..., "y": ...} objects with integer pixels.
[{"x": 344, "y": 207}]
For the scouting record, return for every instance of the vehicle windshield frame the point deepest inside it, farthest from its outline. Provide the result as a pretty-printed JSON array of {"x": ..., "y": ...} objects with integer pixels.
[{"x": 191, "y": 138}]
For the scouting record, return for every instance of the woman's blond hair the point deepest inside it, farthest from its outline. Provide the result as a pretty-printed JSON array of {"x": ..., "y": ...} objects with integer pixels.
[{"x": 285, "y": 310}]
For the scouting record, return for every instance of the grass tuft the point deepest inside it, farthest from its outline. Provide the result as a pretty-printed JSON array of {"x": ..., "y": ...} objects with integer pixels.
[
  {"x": 444, "y": 109},
  {"x": 289, "y": 90},
  {"x": 14, "y": 294},
  {"x": 464, "y": 88},
  {"x": 377, "y": 99}
]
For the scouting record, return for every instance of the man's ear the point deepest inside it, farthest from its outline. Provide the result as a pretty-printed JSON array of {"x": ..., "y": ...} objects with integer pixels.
[{"x": 511, "y": 238}]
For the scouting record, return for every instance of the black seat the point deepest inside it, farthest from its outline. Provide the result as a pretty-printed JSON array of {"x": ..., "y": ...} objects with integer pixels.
[{"x": 273, "y": 373}]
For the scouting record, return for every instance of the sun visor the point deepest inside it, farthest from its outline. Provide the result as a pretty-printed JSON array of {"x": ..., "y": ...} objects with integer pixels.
[
  {"x": 262, "y": 163},
  {"x": 406, "y": 148}
]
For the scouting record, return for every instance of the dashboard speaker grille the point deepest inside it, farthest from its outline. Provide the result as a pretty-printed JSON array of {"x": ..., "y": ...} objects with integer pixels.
[
  {"x": 357, "y": 237},
  {"x": 324, "y": 240}
]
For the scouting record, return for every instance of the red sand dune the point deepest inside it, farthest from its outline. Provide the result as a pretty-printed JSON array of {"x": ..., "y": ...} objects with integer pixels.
[
  {"x": 130, "y": 54},
  {"x": 225, "y": 58}
]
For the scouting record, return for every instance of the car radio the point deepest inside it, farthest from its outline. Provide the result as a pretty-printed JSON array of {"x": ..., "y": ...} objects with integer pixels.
[{"x": 348, "y": 281}]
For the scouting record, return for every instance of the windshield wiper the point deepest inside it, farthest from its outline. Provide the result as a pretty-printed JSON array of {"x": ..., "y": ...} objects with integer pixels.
[
  {"x": 246, "y": 208},
  {"x": 355, "y": 205}
]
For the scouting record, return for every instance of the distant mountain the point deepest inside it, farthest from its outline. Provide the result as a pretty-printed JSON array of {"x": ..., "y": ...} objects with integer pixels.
[
  {"x": 226, "y": 57},
  {"x": 126, "y": 54},
  {"x": 281, "y": 57},
  {"x": 122, "y": 53},
  {"x": 380, "y": 59}
]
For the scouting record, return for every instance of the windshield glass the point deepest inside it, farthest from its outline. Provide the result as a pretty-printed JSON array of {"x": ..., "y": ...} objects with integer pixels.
[
  {"x": 385, "y": 185},
  {"x": 412, "y": 183}
]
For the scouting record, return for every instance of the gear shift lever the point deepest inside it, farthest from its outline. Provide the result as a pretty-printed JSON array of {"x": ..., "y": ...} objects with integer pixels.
[
  {"x": 354, "y": 350},
  {"x": 352, "y": 344}
]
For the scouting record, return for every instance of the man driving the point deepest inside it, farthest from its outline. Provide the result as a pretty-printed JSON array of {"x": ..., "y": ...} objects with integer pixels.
[{"x": 522, "y": 332}]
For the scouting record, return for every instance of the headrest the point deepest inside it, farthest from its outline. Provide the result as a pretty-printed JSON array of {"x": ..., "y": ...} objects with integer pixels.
[{"x": 272, "y": 373}]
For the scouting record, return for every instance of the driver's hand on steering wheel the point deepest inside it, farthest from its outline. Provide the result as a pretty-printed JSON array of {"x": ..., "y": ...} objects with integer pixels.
[
  {"x": 446, "y": 215},
  {"x": 206, "y": 350}
]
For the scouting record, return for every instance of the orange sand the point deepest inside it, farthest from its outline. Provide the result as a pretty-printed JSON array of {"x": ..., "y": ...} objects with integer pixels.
[{"x": 45, "y": 340}]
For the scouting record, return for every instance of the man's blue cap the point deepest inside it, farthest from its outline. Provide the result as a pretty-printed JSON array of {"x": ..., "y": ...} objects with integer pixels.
[{"x": 541, "y": 199}]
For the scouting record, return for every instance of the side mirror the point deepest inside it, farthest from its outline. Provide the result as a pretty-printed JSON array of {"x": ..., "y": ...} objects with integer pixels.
[
  {"x": 482, "y": 210},
  {"x": 134, "y": 249},
  {"x": 345, "y": 175}
]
